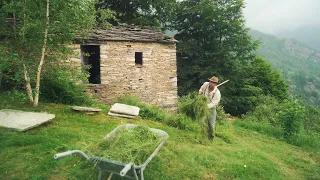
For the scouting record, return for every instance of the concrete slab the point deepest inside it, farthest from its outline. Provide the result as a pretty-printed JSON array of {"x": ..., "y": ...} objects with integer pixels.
[
  {"x": 22, "y": 120},
  {"x": 125, "y": 109}
]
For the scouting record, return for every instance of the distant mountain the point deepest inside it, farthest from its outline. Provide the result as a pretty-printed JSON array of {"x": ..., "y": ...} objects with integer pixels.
[
  {"x": 298, "y": 62},
  {"x": 307, "y": 34}
]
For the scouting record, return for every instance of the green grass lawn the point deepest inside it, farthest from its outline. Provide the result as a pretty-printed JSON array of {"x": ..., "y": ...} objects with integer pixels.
[{"x": 250, "y": 155}]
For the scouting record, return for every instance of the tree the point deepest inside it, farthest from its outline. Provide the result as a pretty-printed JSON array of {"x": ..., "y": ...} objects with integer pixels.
[
  {"x": 28, "y": 38},
  {"x": 141, "y": 12},
  {"x": 256, "y": 79},
  {"x": 213, "y": 40}
]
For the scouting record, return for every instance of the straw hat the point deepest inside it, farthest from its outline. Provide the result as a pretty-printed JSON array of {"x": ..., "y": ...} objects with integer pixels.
[{"x": 214, "y": 79}]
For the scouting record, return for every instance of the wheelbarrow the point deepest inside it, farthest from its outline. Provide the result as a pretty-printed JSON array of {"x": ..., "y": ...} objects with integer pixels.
[{"x": 129, "y": 170}]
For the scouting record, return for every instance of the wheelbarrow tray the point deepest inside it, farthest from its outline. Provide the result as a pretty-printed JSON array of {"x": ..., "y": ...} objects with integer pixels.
[{"x": 114, "y": 167}]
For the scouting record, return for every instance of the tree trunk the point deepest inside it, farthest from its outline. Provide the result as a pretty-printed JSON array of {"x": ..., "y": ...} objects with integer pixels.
[
  {"x": 28, "y": 85},
  {"x": 26, "y": 73},
  {"x": 36, "y": 97}
]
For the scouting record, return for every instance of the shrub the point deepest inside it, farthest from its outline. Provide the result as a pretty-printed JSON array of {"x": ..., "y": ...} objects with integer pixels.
[
  {"x": 303, "y": 139},
  {"x": 292, "y": 115},
  {"x": 265, "y": 111},
  {"x": 60, "y": 86},
  {"x": 287, "y": 114},
  {"x": 289, "y": 119},
  {"x": 312, "y": 122},
  {"x": 13, "y": 97}
]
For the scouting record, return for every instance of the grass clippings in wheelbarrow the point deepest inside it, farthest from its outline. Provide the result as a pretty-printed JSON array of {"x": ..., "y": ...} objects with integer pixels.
[{"x": 128, "y": 145}]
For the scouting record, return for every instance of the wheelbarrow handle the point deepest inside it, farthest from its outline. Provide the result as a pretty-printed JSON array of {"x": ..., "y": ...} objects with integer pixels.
[
  {"x": 63, "y": 154},
  {"x": 126, "y": 168}
]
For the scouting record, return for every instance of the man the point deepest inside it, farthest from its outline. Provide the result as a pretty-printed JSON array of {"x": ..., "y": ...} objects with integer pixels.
[{"x": 210, "y": 90}]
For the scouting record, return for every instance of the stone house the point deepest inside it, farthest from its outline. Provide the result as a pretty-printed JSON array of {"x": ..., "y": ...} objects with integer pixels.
[{"x": 138, "y": 61}]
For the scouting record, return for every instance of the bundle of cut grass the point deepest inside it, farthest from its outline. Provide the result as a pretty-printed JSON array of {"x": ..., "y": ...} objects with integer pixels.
[
  {"x": 195, "y": 106},
  {"x": 127, "y": 145}
]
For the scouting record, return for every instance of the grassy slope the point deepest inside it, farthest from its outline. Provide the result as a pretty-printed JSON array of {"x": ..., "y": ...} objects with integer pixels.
[{"x": 29, "y": 155}]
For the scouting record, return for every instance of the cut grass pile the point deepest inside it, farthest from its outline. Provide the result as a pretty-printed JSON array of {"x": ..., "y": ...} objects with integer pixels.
[
  {"x": 127, "y": 145},
  {"x": 195, "y": 106}
]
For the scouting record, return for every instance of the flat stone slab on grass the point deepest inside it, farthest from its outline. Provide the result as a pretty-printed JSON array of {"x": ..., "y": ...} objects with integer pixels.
[
  {"x": 125, "y": 109},
  {"x": 85, "y": 109},
  {"x": 22, "y": 120},
  {"x": 121, "y": 115}
]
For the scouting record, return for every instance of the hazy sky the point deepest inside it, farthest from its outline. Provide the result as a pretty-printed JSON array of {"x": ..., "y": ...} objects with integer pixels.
[{"x": 273, "y": 16}]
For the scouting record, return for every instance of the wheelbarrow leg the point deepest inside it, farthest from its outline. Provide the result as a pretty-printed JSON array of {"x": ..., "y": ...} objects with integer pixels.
[
  {"x": 100, "y": 174},
  {"x": 109, "y": 178},
  {"x": 141, "y": 174}
]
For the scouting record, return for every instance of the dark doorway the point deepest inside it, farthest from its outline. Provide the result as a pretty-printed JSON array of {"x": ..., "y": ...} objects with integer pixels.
[
  {"x": 138, "y": 58},
  {"x": 91, "y": 56}
]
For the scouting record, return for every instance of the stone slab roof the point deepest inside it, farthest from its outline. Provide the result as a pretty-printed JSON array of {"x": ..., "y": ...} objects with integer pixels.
[{"x": 130, "y": 33}]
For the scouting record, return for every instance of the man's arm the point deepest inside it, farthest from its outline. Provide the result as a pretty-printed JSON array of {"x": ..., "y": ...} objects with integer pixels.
[{"x": 202, "y": 88}]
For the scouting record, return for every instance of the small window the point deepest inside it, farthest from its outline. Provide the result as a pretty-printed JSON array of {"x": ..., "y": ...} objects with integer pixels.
[{"x": 138, "y": 58}]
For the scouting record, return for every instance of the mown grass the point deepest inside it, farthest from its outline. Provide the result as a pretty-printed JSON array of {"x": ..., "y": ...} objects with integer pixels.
[{"x": 29, "y": 155}]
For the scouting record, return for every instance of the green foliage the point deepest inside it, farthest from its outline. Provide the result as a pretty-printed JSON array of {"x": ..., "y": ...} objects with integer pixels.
[
  {"x": 222, "y": 117},
  {"x": 61, "y": 85},
  {"x": 265, "y": 112},
  {"x": 222, "y": 48},
  {"x": 292, "y": 115},
  {"x": 312, "y": 121},
  {"x": 22, "y": 35},
  {"x": 268, "y": 79},
  {"x": 289, "y": 120},
  {"x": 14, "y": 98},
  {"x": 308, "y": 140},
  {"x": 141, "y": 12},
  {"x": 257, "y": 78},
  {"x": 212, "y": 41},
  {"x": 104, "y": 16},
  {"x": 11, "y": 75}
]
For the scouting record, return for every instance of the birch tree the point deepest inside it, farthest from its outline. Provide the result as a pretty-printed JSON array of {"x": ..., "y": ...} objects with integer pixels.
[{"x": 36, "y": 32}]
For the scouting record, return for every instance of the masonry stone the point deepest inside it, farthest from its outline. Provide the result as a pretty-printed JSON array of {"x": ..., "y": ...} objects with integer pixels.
[{"x": 154, "y": 82}]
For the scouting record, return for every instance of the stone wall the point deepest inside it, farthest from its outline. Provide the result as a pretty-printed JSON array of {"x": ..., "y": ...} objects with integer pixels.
[{"x": 154, "y": 82}]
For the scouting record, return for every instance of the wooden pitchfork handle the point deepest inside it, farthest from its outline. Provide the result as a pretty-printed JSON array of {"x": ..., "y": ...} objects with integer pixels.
[{"x": 222, "y": 83}]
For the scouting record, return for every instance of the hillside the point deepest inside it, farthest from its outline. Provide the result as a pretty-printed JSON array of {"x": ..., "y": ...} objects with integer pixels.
[
  {"x": 298, "y": 63},
  {"x": 308, "y": 34},
  {"x": 250, "y": 155}
]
